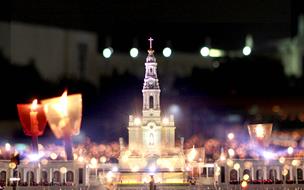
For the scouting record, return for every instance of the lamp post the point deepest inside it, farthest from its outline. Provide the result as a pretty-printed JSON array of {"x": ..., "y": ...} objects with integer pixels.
[
  {"x": 64, "y": 116},
  {"x": 33, "y": 121}
]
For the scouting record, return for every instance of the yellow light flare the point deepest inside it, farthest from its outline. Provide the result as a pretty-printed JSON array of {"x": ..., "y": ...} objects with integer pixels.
[
  {"x": 80, "y": 159},
  {"x": 63, "y": 170},
  {"x": 53, "y": 156},
  {"x": 231, "y": 152},
  {"x": 282, "y": 160},
  {"x": 285, "y": 172},
  {"x": 244, "y": 184},
  {"x": 246, "y": 177},
  {"x": 12, "y": 165},
  {"x": 236, "y": 166},
  {"x": 260, "y": 131},
  {"x": 230, "y": 162}
]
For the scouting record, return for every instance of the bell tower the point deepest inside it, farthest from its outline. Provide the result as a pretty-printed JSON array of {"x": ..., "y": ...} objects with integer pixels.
[{"x": 151, "y": 90}]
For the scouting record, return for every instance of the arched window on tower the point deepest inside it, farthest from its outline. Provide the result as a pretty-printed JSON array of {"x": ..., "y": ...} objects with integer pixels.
[{"x": 151, "y": 102}]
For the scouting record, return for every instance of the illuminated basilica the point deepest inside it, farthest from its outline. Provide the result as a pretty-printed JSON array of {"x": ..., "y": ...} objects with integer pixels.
[{"x": 151, "y": 149}]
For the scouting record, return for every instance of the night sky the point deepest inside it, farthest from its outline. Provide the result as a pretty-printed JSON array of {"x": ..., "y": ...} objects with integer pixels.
[
  {"x": 207, "y": 97},
  {"x": 185, "y": 23}
]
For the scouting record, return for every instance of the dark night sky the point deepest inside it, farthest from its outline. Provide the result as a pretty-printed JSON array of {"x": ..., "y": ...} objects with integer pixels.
[{"x": 185, "y": 23}]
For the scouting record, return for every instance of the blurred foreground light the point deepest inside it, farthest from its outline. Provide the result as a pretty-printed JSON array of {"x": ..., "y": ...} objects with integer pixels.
[
  {"x": 285, "y": 172},
  {"x": 53, "y": 156},
  {"x": 216, "y": 53},
  {"x": 236, "y": 166},
  {"x": 204, "y": 51},
  {"x": 133, "y": 52},
  {"x": 135, "y": 169},
  {"x": 231, "y": 152},
  {"x": 246, "y": 50},
  {"x": 115, "y": 169},
  {"x": 80, "y": 159},
  {"x": 152, "y": 169},
  {"x": 174, "y": 109},
  {"x": 229, "y": 162},
  {"x": 7, "y": 146},
  {"x": 246, "y": 177},
  {"x": 268, "y": 155},
  {"x": 94, "y": 162},
  {"x": 109, "y": 176},
  {"x": 167, "y": 52},
  {"x": 63, "y": 170},
  {"x": 230, "y": 136},
  {"x": 12, "y": 165},
  {"x": 290, "y": 150},
  {"x": 282, "y": 160},
  {"x": 244, "y": 184},
  {"x": 295, "y": 162},
  {"x": 107, "y": 52},
  {"x": 103, "y": 159},
  {"x": 35, "y": 157}
]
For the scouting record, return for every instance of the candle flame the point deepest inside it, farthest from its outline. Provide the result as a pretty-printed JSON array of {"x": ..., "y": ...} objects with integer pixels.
[
  {"x": 62, "y": 106},
  {"x": 34, "y": 105}
]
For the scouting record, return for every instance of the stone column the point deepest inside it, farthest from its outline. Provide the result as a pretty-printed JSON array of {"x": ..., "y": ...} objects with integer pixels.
[{"x": 50, "y": 176}]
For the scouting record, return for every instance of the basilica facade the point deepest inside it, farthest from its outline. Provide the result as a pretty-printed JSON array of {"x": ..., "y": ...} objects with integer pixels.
[{"x": 151, "y": 147}]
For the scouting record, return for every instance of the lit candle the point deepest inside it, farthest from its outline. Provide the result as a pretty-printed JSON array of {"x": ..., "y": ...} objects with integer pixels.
[
  {"x": 33, "y": 116},
  {"x": 34, "y": 124}
]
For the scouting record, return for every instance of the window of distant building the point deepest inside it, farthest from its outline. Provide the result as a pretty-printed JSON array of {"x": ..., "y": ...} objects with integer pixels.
[
  {"x": 233, "y": 175},
  {"x": 300, "y": 174},
  {"x": 151, "y": 102}
]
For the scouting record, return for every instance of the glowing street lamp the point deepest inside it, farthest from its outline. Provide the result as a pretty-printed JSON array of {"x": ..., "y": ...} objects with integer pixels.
[
  {"x": 33, "y": 121},
  {"x": 260, "y": 133},
  {"x": 134, "y": 52},
  {"x": 246, "y": 50},
  {"x": 205, "y": 51},
  {"x": 64, "y": 116},
  {"x": 167, "y": 52},
  {"x": 107, "y": 52}
]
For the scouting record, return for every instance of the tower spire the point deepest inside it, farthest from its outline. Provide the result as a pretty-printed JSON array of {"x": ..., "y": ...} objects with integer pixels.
[
  {"x": 151, "y": 86},
  {"x": 151, "y": 40}
]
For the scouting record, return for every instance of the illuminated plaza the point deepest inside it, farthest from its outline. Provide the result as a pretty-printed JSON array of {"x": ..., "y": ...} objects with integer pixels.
[{"x": 152, "y": 151}]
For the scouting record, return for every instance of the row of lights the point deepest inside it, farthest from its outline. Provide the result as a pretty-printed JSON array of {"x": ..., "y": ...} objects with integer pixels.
[{"x": 167, "y": 51}]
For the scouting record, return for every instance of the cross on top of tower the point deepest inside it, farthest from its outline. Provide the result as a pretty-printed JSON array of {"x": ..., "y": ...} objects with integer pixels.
[{"x": 150, "y": 39}]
